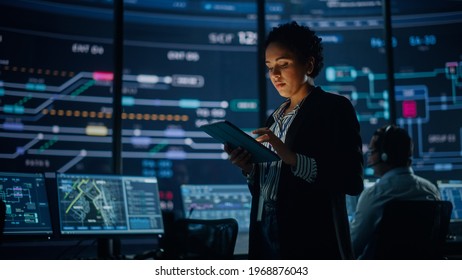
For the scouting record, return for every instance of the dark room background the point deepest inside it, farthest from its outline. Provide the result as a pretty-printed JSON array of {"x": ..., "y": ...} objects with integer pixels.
[{"x": 87, "y": 88}]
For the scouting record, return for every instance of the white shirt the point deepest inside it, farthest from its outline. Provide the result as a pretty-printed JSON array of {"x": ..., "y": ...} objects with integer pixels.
[
  {"x": 305, "y": 168},
  {"x": 399, "y": 183}
]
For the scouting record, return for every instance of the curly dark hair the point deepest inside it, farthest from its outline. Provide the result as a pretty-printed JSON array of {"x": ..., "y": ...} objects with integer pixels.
[{"x": 300, "y": 40}]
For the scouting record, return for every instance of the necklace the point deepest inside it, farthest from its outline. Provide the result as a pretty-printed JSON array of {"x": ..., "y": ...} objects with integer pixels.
[{"x": 296, "y": 107}]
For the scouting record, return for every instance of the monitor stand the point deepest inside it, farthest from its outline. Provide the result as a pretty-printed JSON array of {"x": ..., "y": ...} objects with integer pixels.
[{"x": 108, "y": 248}]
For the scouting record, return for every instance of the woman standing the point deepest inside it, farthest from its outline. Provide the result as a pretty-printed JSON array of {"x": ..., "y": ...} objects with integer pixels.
[{"x": 298, "y": 205}]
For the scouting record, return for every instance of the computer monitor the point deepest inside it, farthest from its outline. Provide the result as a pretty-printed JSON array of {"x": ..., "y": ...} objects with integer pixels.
[
  {"x": 218, "y": 202},
  {"x": 451, "y": 190},
  {"x": 27, "y": 207},
  {"x": 108, "y": 205}
]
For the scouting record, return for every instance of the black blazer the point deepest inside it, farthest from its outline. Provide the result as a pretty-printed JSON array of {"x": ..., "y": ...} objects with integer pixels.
[{"x": 312, "y": 218}]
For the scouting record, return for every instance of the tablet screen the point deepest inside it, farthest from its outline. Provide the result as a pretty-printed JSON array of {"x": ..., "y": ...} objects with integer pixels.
[{"x": 226, "y": 132}]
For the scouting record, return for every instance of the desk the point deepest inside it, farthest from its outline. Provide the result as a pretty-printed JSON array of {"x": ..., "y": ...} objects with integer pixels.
[{"x": 453, "y": 248}]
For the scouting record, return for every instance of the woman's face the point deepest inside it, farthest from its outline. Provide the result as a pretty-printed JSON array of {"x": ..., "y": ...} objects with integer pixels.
[{"x": 288, "y": 75}]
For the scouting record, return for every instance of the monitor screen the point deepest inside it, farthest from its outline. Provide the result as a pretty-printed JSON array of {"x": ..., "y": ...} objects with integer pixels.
[
  {"x": 451, "y": 190},
  {"x": 108, "y": 204},
  {"x": 218, "y": 202},
  {"x": 27, "y": 208}
]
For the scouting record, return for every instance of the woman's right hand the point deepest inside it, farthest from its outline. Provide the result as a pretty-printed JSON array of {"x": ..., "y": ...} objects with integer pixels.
[{"x": 240, "y": 158}]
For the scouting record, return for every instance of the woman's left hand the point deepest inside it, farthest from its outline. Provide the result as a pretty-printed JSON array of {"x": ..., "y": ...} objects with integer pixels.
[{"x": 266, "y": 135}]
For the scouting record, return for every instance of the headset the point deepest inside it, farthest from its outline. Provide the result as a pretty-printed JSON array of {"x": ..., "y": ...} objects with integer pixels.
[
  {"x": 381, "y": 135},
  {"x": 383, "y": 145},
  {"x": 394, "y": 145}
]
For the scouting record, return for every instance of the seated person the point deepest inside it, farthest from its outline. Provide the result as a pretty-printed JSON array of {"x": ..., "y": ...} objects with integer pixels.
[{"x": 390, "y": 156}]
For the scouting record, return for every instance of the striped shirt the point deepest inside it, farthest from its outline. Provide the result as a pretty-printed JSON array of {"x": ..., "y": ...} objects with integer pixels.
[{"x": 271, "y": 171}]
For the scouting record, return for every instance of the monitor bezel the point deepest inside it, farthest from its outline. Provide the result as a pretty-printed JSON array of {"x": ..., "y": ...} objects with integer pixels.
[
  {"x": 35, "y": 235},
  {"x": 105, "y": 234}
]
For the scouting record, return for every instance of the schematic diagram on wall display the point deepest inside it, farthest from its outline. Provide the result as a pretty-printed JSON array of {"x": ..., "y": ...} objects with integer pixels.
[
  {"x": 188, "y": 63},
  {"x": 429, "y": 93},
  {"x": 427, "y": 62},
  {"x": 61, "y": 111},
  {"x": 55, "y": 89}
]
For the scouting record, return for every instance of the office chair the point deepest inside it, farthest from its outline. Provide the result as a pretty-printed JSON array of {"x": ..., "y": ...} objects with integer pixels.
[
  {"x": 202, "y": 239},
  {"x": 412, "y": 230}
]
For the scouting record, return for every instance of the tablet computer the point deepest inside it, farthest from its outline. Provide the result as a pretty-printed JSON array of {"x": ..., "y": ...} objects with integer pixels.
[{"x": 226, "y": 132}]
